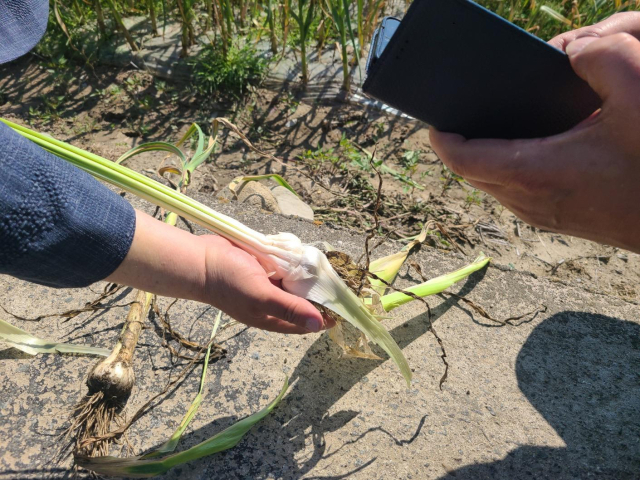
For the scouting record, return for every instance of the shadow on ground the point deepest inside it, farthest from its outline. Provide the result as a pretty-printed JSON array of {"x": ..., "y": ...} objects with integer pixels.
[
  {"x": 574, "y": 369},
  {"x": 311, "y": 129},
  {"x": 306, "y": 408}
]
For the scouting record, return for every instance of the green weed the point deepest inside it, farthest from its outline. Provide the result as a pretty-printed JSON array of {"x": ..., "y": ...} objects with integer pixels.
[
  {"x": 473, "y": 198},
  {"x": 217, "y": 75},
  {"x": 530, "y": 14},
  {"x": 315, "y": 159}
]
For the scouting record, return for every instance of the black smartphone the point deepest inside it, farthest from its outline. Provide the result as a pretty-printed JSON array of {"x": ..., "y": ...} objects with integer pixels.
[{"x": 461, "y": 68}]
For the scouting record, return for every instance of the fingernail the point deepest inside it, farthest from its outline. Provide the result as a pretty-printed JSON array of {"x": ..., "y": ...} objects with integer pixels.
[
  {"x": 313, "y": 324},
  {"x": 575, "y": 47}
]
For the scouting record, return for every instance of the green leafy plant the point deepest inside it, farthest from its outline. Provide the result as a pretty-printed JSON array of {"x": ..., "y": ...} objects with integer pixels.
[
  {"x": 551, "y": 18},
  {"x": 342, "y": 22},
  {"x": 121, "y": 26},
  {"x": 217, "y": 75},
  {"x": 304, "y": 17},
  {"x": 316, "y": 158},
  {"x": 357, "y": 158},
  {"x": 362, "y": 160},
  {"x": 72, "y": 22},
  {"x": 368, "y": 20},
  {"x": 410, "y": 160},
  {"x": 187, "y": 16},
  {"x": 51, "y": 108},
  {"x": 449, "y": 178},
  {"x": 473, "y": 198},
  {"x": 271, "y": 22}
]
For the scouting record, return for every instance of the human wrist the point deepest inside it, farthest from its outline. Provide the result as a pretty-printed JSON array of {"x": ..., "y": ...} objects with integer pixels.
[{"x": 164, "y": 260}]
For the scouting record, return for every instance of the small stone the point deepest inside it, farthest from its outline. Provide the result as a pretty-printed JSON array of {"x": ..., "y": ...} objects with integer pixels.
[
  {"x": 290, "y": 204},
  {"x": 255, "y": 356},
  {"x": 255, "y": 193}
]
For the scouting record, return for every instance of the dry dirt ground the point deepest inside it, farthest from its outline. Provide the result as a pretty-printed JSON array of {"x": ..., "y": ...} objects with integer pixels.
[{"x": 110, "y": 110}]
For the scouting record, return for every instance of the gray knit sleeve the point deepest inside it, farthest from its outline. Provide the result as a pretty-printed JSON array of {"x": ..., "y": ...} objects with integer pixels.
[{"x": 58, "y": 225}]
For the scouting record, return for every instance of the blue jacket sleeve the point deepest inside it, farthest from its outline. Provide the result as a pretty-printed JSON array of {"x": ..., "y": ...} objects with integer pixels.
[{"x": 58, "y": 225}]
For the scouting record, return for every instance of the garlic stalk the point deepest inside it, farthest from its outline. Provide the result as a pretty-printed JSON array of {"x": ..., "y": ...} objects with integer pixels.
[
  {"x": 435, "y": 285},
  {"x": 303, "y": 269}
]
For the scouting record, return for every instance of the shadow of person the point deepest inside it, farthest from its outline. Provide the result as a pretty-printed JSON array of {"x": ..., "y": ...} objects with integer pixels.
[{"x": 582, "y": 373}]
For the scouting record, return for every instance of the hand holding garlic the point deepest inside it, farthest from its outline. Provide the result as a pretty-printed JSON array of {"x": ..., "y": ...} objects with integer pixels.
[{"x": 174, "y": 263}]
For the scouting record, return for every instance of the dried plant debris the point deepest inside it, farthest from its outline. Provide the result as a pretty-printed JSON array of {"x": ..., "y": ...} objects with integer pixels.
[{"x": 169, "y": 334}]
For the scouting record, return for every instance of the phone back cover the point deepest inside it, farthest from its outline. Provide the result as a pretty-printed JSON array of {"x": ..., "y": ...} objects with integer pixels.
[{"x": 463, "y": 69}]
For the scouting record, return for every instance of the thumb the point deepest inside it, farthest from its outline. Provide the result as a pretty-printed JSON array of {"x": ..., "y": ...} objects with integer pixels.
[{"x": 611, "y": 64}]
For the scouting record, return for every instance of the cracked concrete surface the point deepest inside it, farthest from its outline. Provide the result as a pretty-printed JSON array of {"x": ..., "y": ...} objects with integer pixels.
[{"x": 557, "y": 396}]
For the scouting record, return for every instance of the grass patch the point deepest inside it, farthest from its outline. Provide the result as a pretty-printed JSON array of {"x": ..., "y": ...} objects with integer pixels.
[{"x": 229, "y": 76}]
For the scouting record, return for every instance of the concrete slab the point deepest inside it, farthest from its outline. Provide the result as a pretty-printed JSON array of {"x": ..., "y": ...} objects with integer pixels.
[{"x": 557, "y": 396}]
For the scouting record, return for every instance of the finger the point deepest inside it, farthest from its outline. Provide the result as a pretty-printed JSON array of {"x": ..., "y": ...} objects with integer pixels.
[
  {"x": 611, "y": 65},
  {"x": 627, "y": 22},
  {"x": 292, "y": 309},
  {"x": 328, "y": 322},
  {"x": 273, "y": 324},
  {"x": 490, "y": 161}
]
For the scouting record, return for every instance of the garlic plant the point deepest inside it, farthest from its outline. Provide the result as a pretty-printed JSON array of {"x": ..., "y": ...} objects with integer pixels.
[
  {"x": 373, "y": 290},
  {"x": 32, "y": 345},
  {"x": 111, "y": 381},
  {"x": 433, "y": 286},
  {"x": 303, "y": 269},
  {"x": 161, "y": 459}
]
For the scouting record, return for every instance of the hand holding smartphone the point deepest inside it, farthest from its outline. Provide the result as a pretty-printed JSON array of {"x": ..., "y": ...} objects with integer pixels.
[{"x": 463, "y": 69}]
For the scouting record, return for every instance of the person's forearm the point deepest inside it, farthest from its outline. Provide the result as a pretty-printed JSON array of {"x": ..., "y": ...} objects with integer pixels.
[{"x": 163, "y": 260}]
